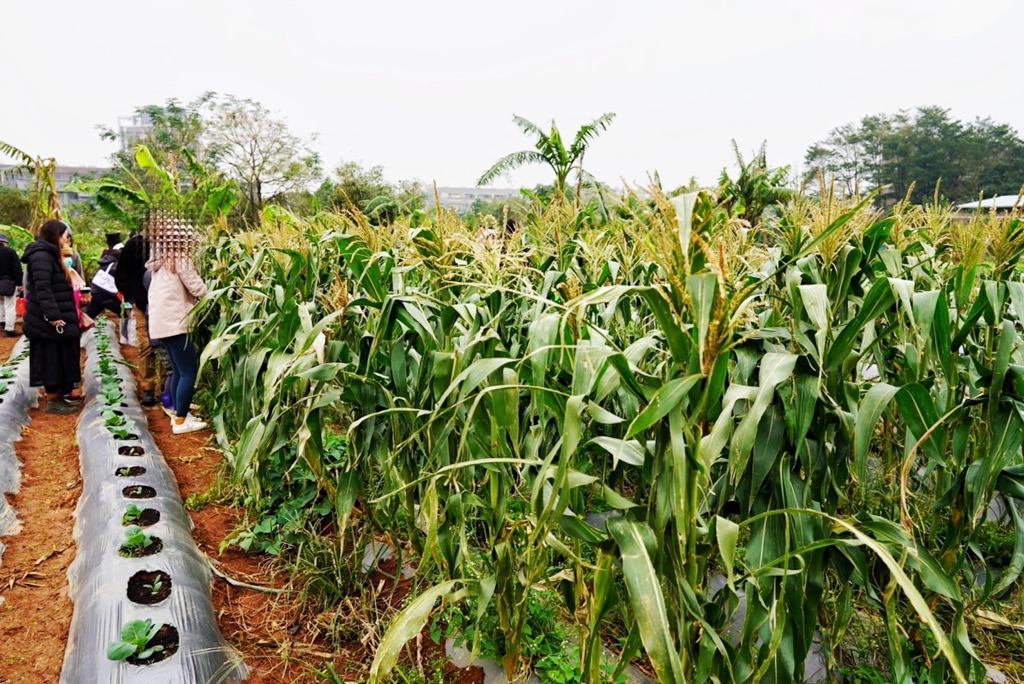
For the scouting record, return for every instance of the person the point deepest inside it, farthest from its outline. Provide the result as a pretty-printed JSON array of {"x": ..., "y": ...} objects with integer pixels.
[
  {"x": 51, "y": 319},
  {"x": 175, "y": 289},
  {"x": 129, "y": 278},
  {"x": 104, "y": 283},
  {"x": 10, "y": 282}
]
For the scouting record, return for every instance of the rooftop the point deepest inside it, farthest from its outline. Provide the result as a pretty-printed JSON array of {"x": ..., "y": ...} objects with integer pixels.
[{"x": 1000, "y": 202}]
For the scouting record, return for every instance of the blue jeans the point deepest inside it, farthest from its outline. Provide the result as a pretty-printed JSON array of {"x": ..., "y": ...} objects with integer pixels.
[{"x": 185, "y": 362}]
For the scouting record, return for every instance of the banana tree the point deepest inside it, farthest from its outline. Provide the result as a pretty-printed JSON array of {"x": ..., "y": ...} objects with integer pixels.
[
  {"x": 44, "y": 195},
  {"x": 551, "y": 149}
]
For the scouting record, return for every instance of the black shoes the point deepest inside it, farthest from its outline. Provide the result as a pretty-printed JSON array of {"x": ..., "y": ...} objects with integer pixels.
[
  {"x": 60, "y": 407},
  {"x": 11, "y": 333},
  {"x": 148, "y": 399}
]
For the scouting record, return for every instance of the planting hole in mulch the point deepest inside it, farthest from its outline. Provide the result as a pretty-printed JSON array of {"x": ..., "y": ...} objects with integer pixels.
[
  {"x": 149, "y": 588},
  {"x": 130, "y": 471},
  {"x": 166, "y": 637},
  {"x": 134, "y": 552},
  {"x": 128, "y": 438},
  {"x": 139, "y": 492},
  {"x": 147, "y": 517},
  {"x": 130, "y": 450}
]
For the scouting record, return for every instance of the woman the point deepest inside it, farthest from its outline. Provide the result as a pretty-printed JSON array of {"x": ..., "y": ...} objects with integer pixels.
[
  {"x": 173, "y": 293},
  {"x": 51, "y": 319}
]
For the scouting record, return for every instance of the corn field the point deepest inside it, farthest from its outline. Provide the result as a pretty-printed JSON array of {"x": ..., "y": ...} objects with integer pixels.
[{"x": 717, "y": 444}]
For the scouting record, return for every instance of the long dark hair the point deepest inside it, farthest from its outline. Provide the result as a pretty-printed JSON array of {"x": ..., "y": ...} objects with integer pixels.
[{"x": 52, "y": 231}]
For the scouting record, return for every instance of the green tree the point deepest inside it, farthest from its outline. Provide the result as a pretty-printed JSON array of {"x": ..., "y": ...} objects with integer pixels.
[
  {"x": 550, "y": 149},
  {"x": 258, "y": 150},
  {"x": 15, "y": 208},
  {"x": 755, "y": 188},
  {"x": 174, "y": 137},
  {"x": 366, "y": 190},
  {"x": 917, "y": 152},
  {"x": 43, "y": 196}
]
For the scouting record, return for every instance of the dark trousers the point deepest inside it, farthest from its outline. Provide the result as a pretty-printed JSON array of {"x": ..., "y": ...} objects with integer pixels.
[{"x": 185, "y": 362}]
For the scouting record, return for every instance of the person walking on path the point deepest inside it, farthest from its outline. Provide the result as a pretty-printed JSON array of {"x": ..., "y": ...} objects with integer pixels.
[
  {"x": 175, "y": 289},
  {"x": 10, "y": 281},
  {"x": 51, "y": 319},
  {"x": 129, "y": 277}
]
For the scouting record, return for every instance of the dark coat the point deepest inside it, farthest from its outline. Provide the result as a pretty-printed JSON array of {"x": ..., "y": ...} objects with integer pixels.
[
  {"x": 50, "y": 295},
  {"x": 131, "y": 267},
  {"x": 10, "y": 266}
]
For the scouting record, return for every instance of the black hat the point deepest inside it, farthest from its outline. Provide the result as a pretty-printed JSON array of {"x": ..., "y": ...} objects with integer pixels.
[{"x": 113, "y": 239}]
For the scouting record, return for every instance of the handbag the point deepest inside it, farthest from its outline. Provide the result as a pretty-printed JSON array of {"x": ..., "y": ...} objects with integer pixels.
[
  {"x": 7, "y": 287},
  {"x": 105, "y": 281}
]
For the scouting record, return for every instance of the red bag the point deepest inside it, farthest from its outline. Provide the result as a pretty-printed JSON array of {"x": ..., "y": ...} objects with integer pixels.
[{"x": 20, "y": 307}]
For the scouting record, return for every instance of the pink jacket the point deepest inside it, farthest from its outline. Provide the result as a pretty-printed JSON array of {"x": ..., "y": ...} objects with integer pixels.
[{"x": 173, "y": 294}]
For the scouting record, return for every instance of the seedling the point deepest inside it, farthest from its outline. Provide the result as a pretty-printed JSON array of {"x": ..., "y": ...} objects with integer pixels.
[
  {"x": 155, "y": 587},
  {"x": 132, "y": 514},
  {"x": 121, "y": 432},
  {"x": 135, "y": 541},
  {"x": 112, "y": 418},
  {"x": 113, "y": 396},
  {"x": 135, "y": 636}
]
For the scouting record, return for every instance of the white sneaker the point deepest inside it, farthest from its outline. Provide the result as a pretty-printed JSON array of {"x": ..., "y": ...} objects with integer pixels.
[
  {"x": 191, "y": 424},
  {"x": 171, "y": 412}
]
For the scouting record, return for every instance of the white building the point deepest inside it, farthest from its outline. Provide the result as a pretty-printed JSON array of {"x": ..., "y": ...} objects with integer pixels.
[
  {"x": 462, "y": 199},
  {"x": 133, "y": 129},
  {"x": 1000, "y": 203}
]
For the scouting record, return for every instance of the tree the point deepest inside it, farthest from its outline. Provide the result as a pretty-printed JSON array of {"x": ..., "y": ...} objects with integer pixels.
[
  {"x": 174, "y": 136},
  {"x": 257, "y": 149},
  {"x": 923, "y": 150},
  {"x": 366, "y": 190},
  {"x": 15, "y": 208},
  {"x": 551, "y": 150},
  {"x": 756, "y": 188},
  {"x": 44, "y": 197}
]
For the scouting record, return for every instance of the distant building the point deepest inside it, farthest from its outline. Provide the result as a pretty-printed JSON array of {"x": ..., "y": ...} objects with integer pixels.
[
  {"x": 133, "y": 129},
  {"x": 65, "y": 174},
  {"x": 1000, "y": 204},
  {"x": 462, "y": 199}
]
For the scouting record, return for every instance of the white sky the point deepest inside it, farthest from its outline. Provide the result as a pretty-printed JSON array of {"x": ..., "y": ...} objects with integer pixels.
[{"x": 428, "y": 89}]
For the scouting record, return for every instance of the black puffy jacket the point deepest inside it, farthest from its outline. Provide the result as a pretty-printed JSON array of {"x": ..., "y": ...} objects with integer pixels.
[
  {"x": 50, "y": 295},
  {"x": 131, "y": 268}
]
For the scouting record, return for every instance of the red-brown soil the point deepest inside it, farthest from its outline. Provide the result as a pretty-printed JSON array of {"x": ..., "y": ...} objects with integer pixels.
[{"x": 35, "y": 612}]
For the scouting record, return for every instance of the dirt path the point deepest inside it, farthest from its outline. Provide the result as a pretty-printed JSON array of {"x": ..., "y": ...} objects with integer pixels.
[{"x": 35, "y": 612}]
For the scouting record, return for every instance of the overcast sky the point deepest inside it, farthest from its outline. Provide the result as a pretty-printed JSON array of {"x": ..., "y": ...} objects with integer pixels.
[{"x": 428, "y": 89}]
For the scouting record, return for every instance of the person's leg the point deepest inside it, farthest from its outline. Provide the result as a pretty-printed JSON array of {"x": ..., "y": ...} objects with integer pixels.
[
  {"x": 145, "y": 355},
  {"x": 172, "y": 379},
  {"x": 185, "y": 361},
  {"x": 9, "y": 312}
]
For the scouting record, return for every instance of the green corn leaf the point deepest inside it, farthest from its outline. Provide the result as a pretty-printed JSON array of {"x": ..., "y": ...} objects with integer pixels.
[
  {"x": 775, "y": 368},
  {"x": 406, "y": 625},
  {"x": 627, "y": 451},
  {"x": 666, "y": 399},
  {"x": 647, "y": 599},
  {"x": 870, "y": 410}
]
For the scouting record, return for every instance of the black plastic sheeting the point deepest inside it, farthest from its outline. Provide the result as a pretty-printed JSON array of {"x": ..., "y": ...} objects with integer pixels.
[
  {"x": 15, "y": 402},
  {"x": 99, "y": 575}
]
